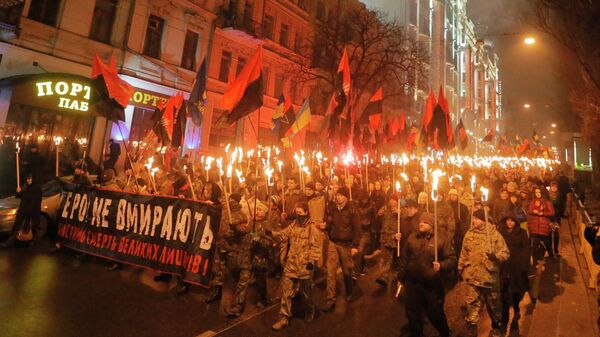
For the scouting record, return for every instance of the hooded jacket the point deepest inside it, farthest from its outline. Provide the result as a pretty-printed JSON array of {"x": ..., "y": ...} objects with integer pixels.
[{"x": 539, "y": 224}]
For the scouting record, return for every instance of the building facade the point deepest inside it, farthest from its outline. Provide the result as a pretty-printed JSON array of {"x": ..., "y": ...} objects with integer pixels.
[
  {"x": 158, "y": 46},
  {"x": 459, "y": 62}
]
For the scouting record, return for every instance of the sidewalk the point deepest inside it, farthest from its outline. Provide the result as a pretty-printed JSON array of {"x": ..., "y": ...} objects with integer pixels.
[{"x": 565, "y": 305}]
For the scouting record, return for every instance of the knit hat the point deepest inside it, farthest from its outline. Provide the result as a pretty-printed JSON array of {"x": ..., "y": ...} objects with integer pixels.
[
  {"x": 108, "y": 175},
  {"x": 480, "y": 214},
  {"x": 427, "y": 218},
  {"x": 310, "y": 185},
  {"x": 452, "y": 192},
  {"x": 344, "y": 191},
  {"x": 411, "y": 203},
  {"x": 235, "y": 196}
]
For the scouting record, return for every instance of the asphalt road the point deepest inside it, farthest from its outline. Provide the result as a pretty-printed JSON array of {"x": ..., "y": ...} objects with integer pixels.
[{"x": 44, "y": 294}]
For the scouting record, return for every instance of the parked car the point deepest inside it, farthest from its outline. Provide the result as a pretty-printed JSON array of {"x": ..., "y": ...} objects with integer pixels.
[{"x": 51, "y": 196}]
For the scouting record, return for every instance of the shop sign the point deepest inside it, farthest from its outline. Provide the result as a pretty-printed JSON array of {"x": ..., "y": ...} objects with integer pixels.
[
  {"x": 147, "y": 99},
  {"x": 71, "y": 95}
]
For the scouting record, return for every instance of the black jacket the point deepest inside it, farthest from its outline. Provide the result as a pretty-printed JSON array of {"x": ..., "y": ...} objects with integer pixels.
[
  {"x": 31, "y": 198},
  {"x": 516, "y": 268},
  {"x": 343, "y": 225},
  {"x": 416, "y": 259},
  {"x": 462, "y": 224}
]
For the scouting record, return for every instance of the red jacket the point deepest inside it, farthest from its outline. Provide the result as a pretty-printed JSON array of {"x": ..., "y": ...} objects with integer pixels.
[{"x": 539, "y": 224}]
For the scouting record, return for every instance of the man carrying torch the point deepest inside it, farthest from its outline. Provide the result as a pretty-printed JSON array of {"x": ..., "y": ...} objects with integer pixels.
[
  {"x": 483, "y": 252},
  {"x": 422, "y": 265}
]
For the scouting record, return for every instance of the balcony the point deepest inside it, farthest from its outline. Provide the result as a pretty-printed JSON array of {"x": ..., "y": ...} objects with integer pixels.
[
  {"x": 10, "y": 13},
  {"x": 240, "y": 26}
]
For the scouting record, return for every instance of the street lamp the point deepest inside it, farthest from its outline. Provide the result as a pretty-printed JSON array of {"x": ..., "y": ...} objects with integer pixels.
[
  {"x": 526, "y": 105},
  {"x": 529, "y": 40},
  {"x": 553, "y": 125}
]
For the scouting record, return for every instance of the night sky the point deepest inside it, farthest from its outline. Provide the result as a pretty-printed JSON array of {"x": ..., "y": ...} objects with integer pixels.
[{"x": 530, "y": 74}]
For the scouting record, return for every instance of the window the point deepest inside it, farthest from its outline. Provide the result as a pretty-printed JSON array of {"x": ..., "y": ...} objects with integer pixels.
[
  {"x": 225, "y": 64},
  {"x": 248, "y": 12},
  {"x": 102, "y": 22},
  {"x": 154, "y": 33},
  {"x": 413, "y": 12},
  {"x": 268, "y": 26},
  {"x": 424, "y": 13},
  {"x": 190, "y": 47},
  {"x": 283, "y": 35},
  {"x": 141, "y": 123},
  {"x": 240, "y": 65},
  {"x": 44, "y": 11},
  {"x": 10, "y": 14},
  {"x": 298, "y": 43},
  {"x": 278, "y": 85}
]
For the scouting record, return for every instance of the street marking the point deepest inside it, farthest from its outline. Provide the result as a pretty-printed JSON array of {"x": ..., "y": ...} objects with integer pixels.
[{"x": 210, "y": 333}]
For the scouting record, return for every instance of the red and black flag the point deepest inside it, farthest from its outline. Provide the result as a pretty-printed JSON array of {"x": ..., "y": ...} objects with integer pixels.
[
  {"x": 428, "y": 113},
  {"x": 437, "y": 131},
  {"x": 164, "y": 119},
  {"x": 111, "y": 93},
  {"x": 535, "y": 137},
  {"x": 462, "y": 135},
  {"x": 443, "y": 102},
  {"x": 413, "y": 138},
  {"x": 344, "y": 68},
  {"x": 489, "y": 137},
  {"x": 375, "y": 107},
  {"x": 197, "y": 102},
  {"x": 180, "y": 121},
  {"x": 245, "y": 94}
]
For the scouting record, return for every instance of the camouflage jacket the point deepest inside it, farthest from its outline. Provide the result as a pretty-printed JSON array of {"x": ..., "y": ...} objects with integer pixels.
[
  {"x": 303, "y": 247},
  {"x": 445, "y": 218},
  {"x": 474, "y": 264}
]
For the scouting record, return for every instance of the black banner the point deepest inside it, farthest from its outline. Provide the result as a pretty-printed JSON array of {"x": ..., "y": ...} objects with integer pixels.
[{"x": 171, "y": 235}]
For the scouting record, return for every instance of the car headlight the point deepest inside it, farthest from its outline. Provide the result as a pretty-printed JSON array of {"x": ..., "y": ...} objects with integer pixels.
[{"x": 8, "y": 212}]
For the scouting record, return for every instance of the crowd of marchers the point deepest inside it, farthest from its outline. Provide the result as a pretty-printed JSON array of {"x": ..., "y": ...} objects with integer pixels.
[{"x": 321, "y": 223}]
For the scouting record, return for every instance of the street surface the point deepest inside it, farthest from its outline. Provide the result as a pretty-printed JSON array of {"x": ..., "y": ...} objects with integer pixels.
[{"x": 53, "y": 295}]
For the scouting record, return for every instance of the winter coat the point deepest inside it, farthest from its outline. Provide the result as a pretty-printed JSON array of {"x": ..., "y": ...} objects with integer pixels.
[
  {"x": 416, "y": 259},
  {"x": 539, "y": 224},
  {"x": 291, "y": 197},
  {"x": 476, "y": 267},
  {"x": 31, "y": 199},
  {"x": 462, "y": 223},
  {"x": 389, "y": 228},
  {"x": 502, "y": 209},
  {"x": 445, "y": 218},
  {"x": 515, "y": 270},
  {"x": 365, "y": 215},
  {"x": 343, "y": 226},
  {"x": 303, "y": 247},
  {"x": 316, "y": 208}
]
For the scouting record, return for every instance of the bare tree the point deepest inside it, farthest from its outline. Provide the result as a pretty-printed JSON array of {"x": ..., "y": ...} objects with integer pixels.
[
  {"x": 574, "y": 25},
  {"x": 380, "y": 51}
]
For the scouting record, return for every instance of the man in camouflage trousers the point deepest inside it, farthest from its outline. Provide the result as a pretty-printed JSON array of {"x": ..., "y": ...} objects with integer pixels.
[
  {"x": 303, "y": 252},
  {"x": 483, "y": 251},
  {"x": 233, "y": 252}
]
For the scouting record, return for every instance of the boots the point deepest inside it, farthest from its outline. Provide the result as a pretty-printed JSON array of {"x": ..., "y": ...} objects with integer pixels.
[
  {"x": 215, "y": 295},
  {"x": 234, "y": 310},
  {"x": 309, "y": 316},
  {"x": 282, "y": 323},
  {"x": 349, "y": 283}
]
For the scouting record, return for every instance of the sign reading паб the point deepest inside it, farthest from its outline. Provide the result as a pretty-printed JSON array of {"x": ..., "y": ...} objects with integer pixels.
[{"x": 170, "y": 235}]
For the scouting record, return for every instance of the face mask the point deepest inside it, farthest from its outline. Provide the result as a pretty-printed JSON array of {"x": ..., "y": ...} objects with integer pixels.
[{"x": 301, "y": 218}]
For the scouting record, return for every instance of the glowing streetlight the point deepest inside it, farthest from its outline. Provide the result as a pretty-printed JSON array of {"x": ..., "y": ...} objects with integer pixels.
[
  {"x": 529, "y": 40},
  {"x": 527, "y": 105},
  {"x": 553, "y": 125}
]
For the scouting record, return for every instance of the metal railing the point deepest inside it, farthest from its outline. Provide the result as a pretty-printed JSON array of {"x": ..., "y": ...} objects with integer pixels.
[{"x": 579, "y": 216}]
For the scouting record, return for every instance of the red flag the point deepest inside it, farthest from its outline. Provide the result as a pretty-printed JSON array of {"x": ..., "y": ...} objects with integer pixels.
[
  {"x": 402, "y": 122},
  {"x": 245, "y": 94},
  {"x": 375, "y": 121},
  {"x": 523, "y": 147},
  {"x": 489, "y": 137},
  {"x": 394, "y": 127},
  {"x": 344, "y": 68},
  {"x": 428, "y": 113}
]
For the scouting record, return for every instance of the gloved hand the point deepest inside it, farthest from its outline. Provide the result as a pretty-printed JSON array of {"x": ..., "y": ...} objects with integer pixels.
[
  {"x": 310, "y": 266},
  {"x": 492, "y": 256}
]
